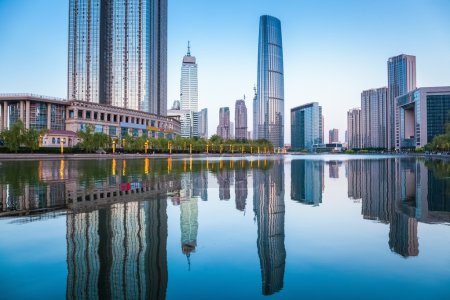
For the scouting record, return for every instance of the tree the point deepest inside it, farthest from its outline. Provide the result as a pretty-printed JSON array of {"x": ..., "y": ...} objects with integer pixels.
[
  {"x": 31, "y": 138},
  {"x": 14, "y": 136},
  {"x": 87, "y": 138}
]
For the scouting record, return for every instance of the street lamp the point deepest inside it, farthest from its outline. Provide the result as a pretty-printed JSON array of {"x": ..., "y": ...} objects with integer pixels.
[
  {"x": 61, "y": 142},
  {"x": 114, "y": 146}
]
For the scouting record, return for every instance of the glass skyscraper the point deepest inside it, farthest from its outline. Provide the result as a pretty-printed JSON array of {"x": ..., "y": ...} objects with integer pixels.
[
  {"x": 270, "y": 93},
  {"x": 306, "y": 128},
  {"x": 401, "y": 80},
  {"x": 240, "y": 120},
  {"x": 189, "y": 89},
  {"x": 118, "y": 53}
]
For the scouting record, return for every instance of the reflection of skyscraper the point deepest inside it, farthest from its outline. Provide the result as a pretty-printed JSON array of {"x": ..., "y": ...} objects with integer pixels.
[
  {"x": 334, "y": 168},
  {"x": 270, "y": 95},
  {"x": 307, "y": 181},
  {"x": 268, "y": 203},
  {"x": 189, "y": 225},
  {"x": 118, "y": 252},
  {"x": 240, "y": 188},
  {"x": 224, "y": 178},
  {"x": 381, "y": 190}
]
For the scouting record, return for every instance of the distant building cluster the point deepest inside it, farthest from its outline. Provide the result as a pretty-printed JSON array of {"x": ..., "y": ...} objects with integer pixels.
[{"x": 399, "y": 116}]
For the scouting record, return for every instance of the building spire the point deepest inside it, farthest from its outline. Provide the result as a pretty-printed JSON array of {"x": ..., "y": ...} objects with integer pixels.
[{"x": 189, "y": 48}]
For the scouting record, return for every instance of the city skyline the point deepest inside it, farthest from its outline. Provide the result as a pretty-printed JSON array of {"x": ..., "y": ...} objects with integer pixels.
[{"x": 309, "y": 61}]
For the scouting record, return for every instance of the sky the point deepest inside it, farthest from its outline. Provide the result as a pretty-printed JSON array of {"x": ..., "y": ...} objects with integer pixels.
[{"x": 333, "y": 50}]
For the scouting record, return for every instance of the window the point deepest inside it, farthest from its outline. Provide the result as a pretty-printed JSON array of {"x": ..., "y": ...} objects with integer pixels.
[
  {"x": 71, "y": 114},
  {"x": 80, "y": 114},
  {"x": 88, "y": 115}
]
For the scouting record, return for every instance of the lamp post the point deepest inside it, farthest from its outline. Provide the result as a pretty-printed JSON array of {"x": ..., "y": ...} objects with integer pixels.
[
  {"x": 146, "y": 147},
  {"x": 114, "y": 146},
  {"x": 61, "y": 143},
  {"x": 40, "y": 140},
  {"x": 207, "y": 148},
  {"x": 190, "y": 149}
]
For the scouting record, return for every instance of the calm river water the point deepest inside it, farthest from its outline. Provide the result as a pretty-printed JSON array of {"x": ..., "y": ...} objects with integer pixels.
[{"x": 303, "y": 227}]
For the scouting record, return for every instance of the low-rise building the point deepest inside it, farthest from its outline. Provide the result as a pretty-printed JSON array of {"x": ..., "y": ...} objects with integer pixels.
[{"x": 64, "y": 118}]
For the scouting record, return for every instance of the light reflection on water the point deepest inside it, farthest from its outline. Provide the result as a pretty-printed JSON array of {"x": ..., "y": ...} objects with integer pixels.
[{"x": 175, "y": 228}]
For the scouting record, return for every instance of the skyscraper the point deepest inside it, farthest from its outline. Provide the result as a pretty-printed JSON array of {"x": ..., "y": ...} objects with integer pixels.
[
  {"x": 306, "y": 126},
  {"x": 240, "y": 120},
  {"x": 118, "y": 53},
  {"x": 401, "y": 80},
  {"x": 333, "y": 136},
  {"x": 223, "y": 130},
  {"x": 203, "y": 123},
  {"x": 189, "y": 89},
  {"x": 354, "y": 128},
  {"x": 270, "y": 93},
  {"x": 373, "y": 118}
]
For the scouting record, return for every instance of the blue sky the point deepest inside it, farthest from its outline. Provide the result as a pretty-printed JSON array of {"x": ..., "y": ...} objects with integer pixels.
[{"x": 332, "y": 49}]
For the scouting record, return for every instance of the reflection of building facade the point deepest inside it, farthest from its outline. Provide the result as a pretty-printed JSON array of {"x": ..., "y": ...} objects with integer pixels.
[
  {"x": 240, "y": 188},
  {"x": 380, "y": 192},
  {"x": 225, "y": 179},
  {"x": 268, "y": 203},
  {"x": 307, "y": 179},
  {"x": 118, "y": 252},
  {"x": 333, "y": 168}
]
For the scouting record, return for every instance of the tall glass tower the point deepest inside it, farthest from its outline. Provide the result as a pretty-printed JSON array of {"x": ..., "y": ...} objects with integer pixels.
[
  {"x": 118, "y": 53},
  {"x": 270, "y": 91},
  {"x": 401, "y": 80},
  {"x": 189, "y": 89}
]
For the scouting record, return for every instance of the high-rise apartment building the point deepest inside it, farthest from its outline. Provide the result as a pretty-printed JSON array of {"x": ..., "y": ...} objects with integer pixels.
[
  {"x": 333, "y": 136},
  {"x": 223, "y": 130},
  {"x": 373, "y": 118},
  {"x": 306, "y": 126},
  {"x": 354, "y": 129},
  {"x": 240, "y": 120},
  {"x": 270, "y": 93},
  {"x": 203, "y": 123},
  {"x": 401, "y": 80},
  {"x": 118, "y": 53},
  {"x": 189, "y": 90}
]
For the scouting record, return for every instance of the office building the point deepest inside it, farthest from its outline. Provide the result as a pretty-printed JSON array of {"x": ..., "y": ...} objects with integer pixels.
[
  {"x": 64, "y": 118},
  {"x": 424, "y": 113},
  {"x": 240, "y": 120},
  {"x": 354, "y": 129},
  {"x": 373, "y": 118},
  {"x": 203, "y": 123},
  {"x": 401, "y": 80},
  {"x": 306, "y": 128},
  {"x": 270, "y": 93},
  {"x": 189, "y": 90},
  {"x": 223, "y": 130},
  {"x": 333, "y": 136},
  {"x": 118, "y": 53}
]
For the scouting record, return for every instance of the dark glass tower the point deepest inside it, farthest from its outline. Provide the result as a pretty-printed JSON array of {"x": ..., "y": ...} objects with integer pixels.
[
  {"x": 270, "y": 93},
  {"x": 118, "y": 53}
]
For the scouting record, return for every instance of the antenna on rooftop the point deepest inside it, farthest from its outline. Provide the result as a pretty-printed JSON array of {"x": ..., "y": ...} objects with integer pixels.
[{"x": 189, "y": 48}]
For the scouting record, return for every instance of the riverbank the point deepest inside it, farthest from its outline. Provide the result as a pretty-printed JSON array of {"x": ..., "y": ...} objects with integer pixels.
[{"x": 91, "y": 156}]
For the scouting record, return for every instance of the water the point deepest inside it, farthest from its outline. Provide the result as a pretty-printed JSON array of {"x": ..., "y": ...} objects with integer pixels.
[{"x": 303, "y": 227}]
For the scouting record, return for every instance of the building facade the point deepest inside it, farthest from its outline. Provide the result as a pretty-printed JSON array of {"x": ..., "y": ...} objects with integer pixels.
[
  {"x": 424, "y": 113},
  {"x": 373, "y": 118},
  {"x": 240, "y": 120},
  {"x": 203, "y": 123},
  {"x": 401, "y": 80},
  {"x": 118, "y": 53},
  {"x": 333, "y": 136},
  {"x": 189, "y": 90},
  {"x": 68, "y": 117},
  {"x": 306, "y": 129},
  {"x": 223, "y": 130},
  {"x": 270, "y": 92},
  {"x": 354, "y": 140}
]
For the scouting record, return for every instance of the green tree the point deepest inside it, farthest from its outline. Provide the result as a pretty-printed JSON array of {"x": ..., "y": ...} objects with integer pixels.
[
  {"x": 14, "y": 137},
  {"x": 87, "y": 138},
  {"x": 31, "y": 138}
]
